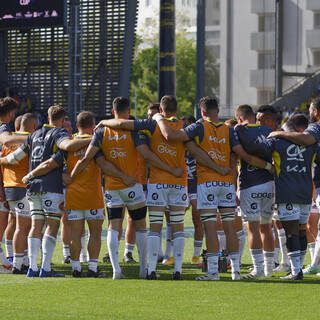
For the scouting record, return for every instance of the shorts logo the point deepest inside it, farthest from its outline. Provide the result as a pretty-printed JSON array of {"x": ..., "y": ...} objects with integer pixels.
[
  {"x": 229, "y": 196},
  {"x": 131, "y": 194},
  {"x": 184, "y": 197},
  {"x": 254, "y": 206},
  {"x": 210, "y": 197},
  {"x": 108, "y": 196},
  {"x": 20, "y": 205},
  {"x": 289, "y": 206},
  {"x": 155, "y": 196},
  {"x": 93, "y": 212},
  {"x": 48, "y": 203}
]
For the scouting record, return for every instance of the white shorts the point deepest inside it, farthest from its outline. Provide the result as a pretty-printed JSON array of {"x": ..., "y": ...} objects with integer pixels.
[
  {"x": 164, "y": 195},
  {"x": 4, "y": 206},
  {"x": 125, "y": 197},
  {"x": 214, "y": 195},
  {"x": 95, "y": 214},
  {"x": 20, "y": 207},
  {"x": 257, "y": 201},
  {"x": 45, "y": 203},
  {"x": 317, "y": 191},
  {"x": 293, "y": 211}
]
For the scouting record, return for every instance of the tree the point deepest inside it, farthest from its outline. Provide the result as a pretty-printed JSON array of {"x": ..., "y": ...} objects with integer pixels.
[{"x": 144, "y": 80}]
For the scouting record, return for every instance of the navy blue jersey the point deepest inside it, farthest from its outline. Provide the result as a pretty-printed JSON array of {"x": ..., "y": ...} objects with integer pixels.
[
  {"x": 314, "y": 129},
  {"x": 249, "y": 175},
  {"x": 5, "y": 127},
  {"x": 293, "y": 164},
  {"x": 42, "y": 145}
]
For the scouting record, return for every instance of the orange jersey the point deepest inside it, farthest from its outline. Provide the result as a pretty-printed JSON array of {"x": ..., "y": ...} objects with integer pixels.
[
  {"x": 119, "y": 148},
  {"x": 13, "y": 174},
  {"x": 85, "y": 191}
]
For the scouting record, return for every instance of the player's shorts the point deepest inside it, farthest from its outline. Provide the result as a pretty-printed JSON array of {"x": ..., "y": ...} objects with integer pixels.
[
  {"x": 257, "y": 201},
  {"x": 130, "y": 196},
  {"x": 4, "y": 207},
  {"x": 192, "y": 196},
  {"x": 317, "y": 200},
  {"x": 294, "y": 211},
  {"x": 20, "y": 207},
  {"x": 46, "y": 203},
  {"x": 164, "y": 195},
  {"x": 94, "y": 214},
  {"x": 214, "y": 195}
]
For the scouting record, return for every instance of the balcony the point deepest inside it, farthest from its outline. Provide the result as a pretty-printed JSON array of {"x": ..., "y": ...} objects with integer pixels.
[
  {"x": 313, "y": 39},
  {"x": 263, "y": 41},
  {"x": 313, "y": 5},
  {"x": 263, "y": 6},
  {"x": 262, "y": 78}
]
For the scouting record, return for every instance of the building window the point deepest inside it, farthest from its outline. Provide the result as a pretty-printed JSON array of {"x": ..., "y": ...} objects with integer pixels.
[
  {"x": 267, "y": 23},
  {"x": 265, "y": 96},
  {"x": 316, "y": 58},
  {"x": 316, "y": 20},
  {"x": 266, "y": 60},
  {"x": 216, "y": 4},
  {"x": 148, "y": 3}
]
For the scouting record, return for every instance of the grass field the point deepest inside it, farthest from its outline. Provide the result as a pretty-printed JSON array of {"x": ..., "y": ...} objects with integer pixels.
[{"x": 68, "y": 298}]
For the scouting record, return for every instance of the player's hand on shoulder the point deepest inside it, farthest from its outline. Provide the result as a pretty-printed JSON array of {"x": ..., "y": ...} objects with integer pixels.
[
  {"x": 274, "y": 134},
  {"x": 178, "y": 172},
  {"x": 99, "y": 125},
  {"x": 66, "y": 178}
]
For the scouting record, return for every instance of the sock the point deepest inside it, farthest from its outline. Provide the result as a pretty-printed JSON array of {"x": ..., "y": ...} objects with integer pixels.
[
  {"x": 9, "y": 248},
  {"x": 276, "y": 255},
  {"x": 294, "y": 258},
  {"x": 48, "y": 245},
  {"x": 222, "y": 240},
  {"x": 168, "y": 251},
  {"x": 141, "y": 239},
  {"x": 160, "y": 253},
  {"x": 66, "y": 251},
  {"x": 18, "y": 260},
  {"x": 268, "y": 257},
  {"x": 311, "y": 246},
  {"x": 197, "y": 246},
  {"x": 302, "y": 257},
  {"x": 3, "y": 258},
  {"x": 93, "y": 265},
  {"x": 242, "y": 242},
  {"x": 113, "y": 246},
  {"x": 76, "y": 265},
  {"x": 25, "y": 258},
  {"x": 283, "y": 247},
  {"x": 213, "y": 265},
  {"x": 153, "y": 249},
  {"x": 235, "y": 261},
  {"x": 128, "y": 248},
  {"x": 178, "y": 249},
  {"x": 257, "y": 259},
  {"x": 316, "y": 256},
  {"x": 34, "y": 244}
]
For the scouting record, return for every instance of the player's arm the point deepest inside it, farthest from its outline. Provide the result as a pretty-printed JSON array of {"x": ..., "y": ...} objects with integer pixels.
[
  {"x": 41, "y": 170},
  {"x": 111, "y": 170},
  {"x": 303, "y": 138},
  {"x": 14, "y": 157},
  {"x": 203, "y": 158},
  {"x": 72, "y": 145},
  {"x": 154, "y": 160},
  {"x": 84, "y": 162},
  {"x": 116, "y": 124},
  {"x": 8, "y": 139},
  {"x": 233, "y": 165}
]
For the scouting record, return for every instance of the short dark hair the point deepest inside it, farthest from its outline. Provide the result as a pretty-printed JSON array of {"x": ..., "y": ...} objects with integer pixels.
[
  {"x": 169, "y": 103},
  {"x": 56, "y": 113},
  {"x": 189, "y": 118},
  {"x": 121, "y": 104},
  {"x": 7, "y": 104},
  {"x": 268, "y": 110},
  {"x": 289, "y": 126},
  {"x": 154, "y": 106},
  {"x": 85, "y": 119},
  {"x": 300, "y": 120},
  {"x": 316, "y": 102},
  {"x": 208, "y": 104},
  {"x": 245, "y": 111}
]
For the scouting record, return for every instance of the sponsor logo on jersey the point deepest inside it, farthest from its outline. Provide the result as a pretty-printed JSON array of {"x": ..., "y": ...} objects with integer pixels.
[
  {"x": 216, "y": 139},
  {"x": 117, "y": 153},
  {"x": 216, "y": 154},
  {"x": 296, "y": 169},
  {"x": 165, "y": 148},
  {"x": 295, "y": 152},
  {"x": 116, "y": 137}
]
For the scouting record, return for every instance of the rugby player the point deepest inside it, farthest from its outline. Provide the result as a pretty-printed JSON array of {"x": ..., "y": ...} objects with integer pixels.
[
  {"x": 15, "y": 191},
  {"x": 165, "y": 189},
  {"x": 293, "y": 181},
  {"x": 120, "y": 148},
  {"x": 215, "y": 191},
  {"x": 256, "y": 199},
  {"x": 45, "y": 192}
]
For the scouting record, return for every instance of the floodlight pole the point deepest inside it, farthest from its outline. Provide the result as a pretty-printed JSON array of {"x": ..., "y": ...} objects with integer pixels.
[
  {"x": 279, "y": 49},
  {"x": 167, "y": 50}
]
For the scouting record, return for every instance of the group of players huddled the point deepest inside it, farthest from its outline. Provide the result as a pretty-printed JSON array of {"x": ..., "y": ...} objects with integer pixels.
[{"x": 161, "y": 165}]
